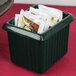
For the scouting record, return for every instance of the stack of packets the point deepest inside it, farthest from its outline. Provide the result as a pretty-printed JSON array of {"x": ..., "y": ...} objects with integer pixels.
[{"x": 38, "y": 19}]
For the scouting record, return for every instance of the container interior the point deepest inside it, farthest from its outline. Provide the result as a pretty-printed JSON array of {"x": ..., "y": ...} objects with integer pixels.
[{"x": 12, "y": 21}]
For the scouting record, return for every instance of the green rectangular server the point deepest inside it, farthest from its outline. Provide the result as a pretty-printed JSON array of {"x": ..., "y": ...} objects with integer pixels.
[{"x": 38, "y": 52}]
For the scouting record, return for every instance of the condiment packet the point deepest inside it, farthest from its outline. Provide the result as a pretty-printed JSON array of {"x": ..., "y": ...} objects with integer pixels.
[
  {"x": 36, "y": 24},
  {"x": 22, "y": 22},
  {"x": 41, "y": 17},
  {"x": 17, "y": 19},
  {"x": 51, "y": 11}
]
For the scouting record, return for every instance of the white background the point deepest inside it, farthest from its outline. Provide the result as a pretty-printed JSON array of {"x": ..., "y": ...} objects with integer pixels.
[{"x": 50, "y": 2}]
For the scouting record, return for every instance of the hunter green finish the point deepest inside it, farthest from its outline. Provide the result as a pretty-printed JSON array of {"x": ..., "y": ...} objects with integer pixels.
[{"x": 38, "y": 52}]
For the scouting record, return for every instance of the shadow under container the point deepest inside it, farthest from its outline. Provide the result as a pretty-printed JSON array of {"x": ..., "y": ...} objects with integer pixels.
[{"x": 38, "y": 52}]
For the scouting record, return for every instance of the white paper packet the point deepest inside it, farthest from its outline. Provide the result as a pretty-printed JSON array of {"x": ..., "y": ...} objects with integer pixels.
[
  {"x": 41, "y": 16},
  {"x": 36, "y": 20},
  {"x": 55, "y": 15},
  {"x": 51, "y": 11},
  {"x": 21, "y": 18},
  {"x": 17, "y": 19},
  {"x": 38, "y": 12}
]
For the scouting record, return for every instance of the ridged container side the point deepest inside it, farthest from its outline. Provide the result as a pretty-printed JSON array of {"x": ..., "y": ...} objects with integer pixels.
[
  {"x": 55, "y": 48},
  {"x": 25, "y": 52},
  {"x": 36, "y": 55}
]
